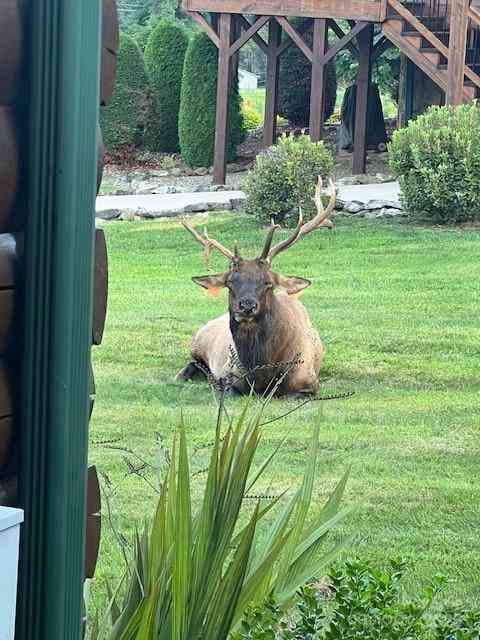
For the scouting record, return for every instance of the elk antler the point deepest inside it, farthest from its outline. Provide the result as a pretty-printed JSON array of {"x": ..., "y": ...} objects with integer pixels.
[
  {"x": 209, "y": 243},
  {"x": 322, "y": 219}
]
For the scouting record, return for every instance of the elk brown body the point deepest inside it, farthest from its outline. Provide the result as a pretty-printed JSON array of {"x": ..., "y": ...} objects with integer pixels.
[{"x": 266, "y": 340}]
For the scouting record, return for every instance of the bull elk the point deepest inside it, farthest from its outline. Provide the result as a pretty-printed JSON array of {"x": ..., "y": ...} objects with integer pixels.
[{"x": 267, "y": 332}]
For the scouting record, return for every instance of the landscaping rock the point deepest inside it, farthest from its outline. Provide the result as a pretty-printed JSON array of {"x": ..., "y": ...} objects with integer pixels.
[
  {"x": 355, "y": 206},
  {"x": 129, "y": 215},
  {"x": 381, "y": 204},
  {"x": 378, "y": 178},
  {"x": 109, "y": 214}
]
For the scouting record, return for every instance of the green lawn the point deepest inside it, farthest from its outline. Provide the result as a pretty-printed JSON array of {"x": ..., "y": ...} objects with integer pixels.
[{"x": 397, "y": 307}]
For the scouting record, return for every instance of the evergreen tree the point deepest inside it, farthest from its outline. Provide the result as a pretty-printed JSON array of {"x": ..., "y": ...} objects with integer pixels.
[
  {"x": 164, "y": 57},
  {"x": 198, "y": 105}
]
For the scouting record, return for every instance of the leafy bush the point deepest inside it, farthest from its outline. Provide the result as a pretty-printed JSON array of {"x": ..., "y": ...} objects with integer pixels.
[
  {"x": 194, "y": 574},
  {"x": 251, "y": 118},
  {"x": 359, "y": 601},
  {"x": 437, "y": 161},
  {"x": 283, "y": 179},
  {"x": 164, "y": 56},
  {"x": 127, "y": 116},
  {"x": 196, "y": 124},
  {"x": 295, "y": 83}
]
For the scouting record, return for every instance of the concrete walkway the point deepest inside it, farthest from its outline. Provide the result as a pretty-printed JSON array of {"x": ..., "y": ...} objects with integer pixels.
[
  {"x": 167, "y": 205},
  {"x": 174, "y": 204},
  {"x": 389, "y": 191}
]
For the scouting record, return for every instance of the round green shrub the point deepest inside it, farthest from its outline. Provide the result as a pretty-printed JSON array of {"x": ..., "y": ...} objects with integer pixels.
[
  {"x": 196, "y": 124},
  {"x": 164, "y": 57},
  {"x": 126, "y": 118},
  {"x": 284, "y": 177},
  {"x": 437, "y": 161},
  {"x": 295, "y": 83}
]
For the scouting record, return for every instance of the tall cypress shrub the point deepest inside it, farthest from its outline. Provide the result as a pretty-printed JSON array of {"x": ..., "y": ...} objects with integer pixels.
[
  {"x": 196, "y": 125},
  {"x": 126, "y": 117},
  {"x": 164, "y": 57},
  {"x": 295, "y": 80}
]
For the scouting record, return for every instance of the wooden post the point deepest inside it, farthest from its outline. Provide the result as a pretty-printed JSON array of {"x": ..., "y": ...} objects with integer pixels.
[
  {"x": 223, "y": 95},
  {"x": 365, "y": 43},
  {"x": 456, "y": 51},
  {"x": 317, "y": 91},
  {"x": 271, "y": 98}
]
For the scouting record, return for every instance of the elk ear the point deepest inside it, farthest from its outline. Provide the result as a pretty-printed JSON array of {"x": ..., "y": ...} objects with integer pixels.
[
  {"x": 213, "y": 283},
  {"x": 291, "y": 284}
]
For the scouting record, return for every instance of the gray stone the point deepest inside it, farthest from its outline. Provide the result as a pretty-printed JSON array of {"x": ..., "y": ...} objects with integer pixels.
[
  {"x": 347, "y": 181},
  {"x": 354, "y": 206},
  {"x": 381, "y": 204},
  {"x": 168, "y": 188},
  {"x": 129, "y": 215},
  {"x": 176, "y": 172},
  {"x": 201, "y": 171},
  {"x": 237, "y": 203},
  {"x": 197, "y": 207},
  {"x": 108, "y": 214}
]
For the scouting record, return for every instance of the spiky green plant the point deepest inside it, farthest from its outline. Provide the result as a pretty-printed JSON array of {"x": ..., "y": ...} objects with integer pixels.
[{"x": 193, "y": 574}]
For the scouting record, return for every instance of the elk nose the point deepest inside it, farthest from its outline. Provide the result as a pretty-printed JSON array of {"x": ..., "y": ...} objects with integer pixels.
[{"x": 247, "y": 306}]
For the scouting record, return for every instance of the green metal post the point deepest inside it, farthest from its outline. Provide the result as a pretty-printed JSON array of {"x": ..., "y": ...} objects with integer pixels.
[{"x": 63, "y": 68}]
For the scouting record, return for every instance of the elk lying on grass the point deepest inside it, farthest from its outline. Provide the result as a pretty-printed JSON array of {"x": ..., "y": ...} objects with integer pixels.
[{"x": 266, "y": 340}]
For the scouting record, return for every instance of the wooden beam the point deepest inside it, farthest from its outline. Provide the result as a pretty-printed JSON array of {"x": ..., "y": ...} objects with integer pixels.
[
  {"x": 474, "y": 14},
  {"x": 205, "y": 26},
  {"x": 335, "y": 27},
  {"x": 348, "y": 37},
  {"x": 249, "y": 33},
  {"x": 317, "y": 87},
  {"x": 256, "y": 36},
  {"x": 271, "y": 98},
  {"x": 365, "y": 44},
  {"x": 295, "y": 36},
  {"x": 223, "y": 96},
  {"x": 287, "y": 42},
  {"x": 363, "y": 10},
  {"x": 384, "y": 11},
  {"x": 456, "y": 51}
]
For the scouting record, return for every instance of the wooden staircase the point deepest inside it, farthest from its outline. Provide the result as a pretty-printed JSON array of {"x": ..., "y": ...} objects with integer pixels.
[{"x": 421, "y": 30}]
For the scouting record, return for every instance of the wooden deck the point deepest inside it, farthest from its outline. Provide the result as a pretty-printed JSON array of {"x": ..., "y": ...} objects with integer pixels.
[{"x": 364, "y": 10}]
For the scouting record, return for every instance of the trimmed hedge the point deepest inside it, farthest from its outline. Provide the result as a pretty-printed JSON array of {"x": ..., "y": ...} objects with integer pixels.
[
  {"x": 295, "y": 80},
  {"x": 437, "y": 161},
  {"x": 126, "y": 117},
  {"x": 196, "y": 125},
  {"x": 164, "y": 57}
]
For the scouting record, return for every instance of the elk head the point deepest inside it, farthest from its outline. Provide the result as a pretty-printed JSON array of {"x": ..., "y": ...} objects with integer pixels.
[{"x": 251, "y": 283}]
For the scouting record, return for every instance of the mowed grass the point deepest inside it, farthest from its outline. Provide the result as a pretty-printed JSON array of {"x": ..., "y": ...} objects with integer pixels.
[{"x": 398, "y": 309}]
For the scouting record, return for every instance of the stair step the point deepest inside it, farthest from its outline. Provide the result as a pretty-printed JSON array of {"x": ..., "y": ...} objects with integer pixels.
[{"x": 474, "y": 67}]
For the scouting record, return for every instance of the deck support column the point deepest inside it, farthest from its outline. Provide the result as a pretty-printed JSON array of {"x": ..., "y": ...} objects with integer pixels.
[
  {"x": 223, "y": 98},
  {"x": 456, "y": 52},
  {"x": 365, "y": 45},
  {"x": 271, "y": 97},
  {"x": 317, "y": 91}
]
